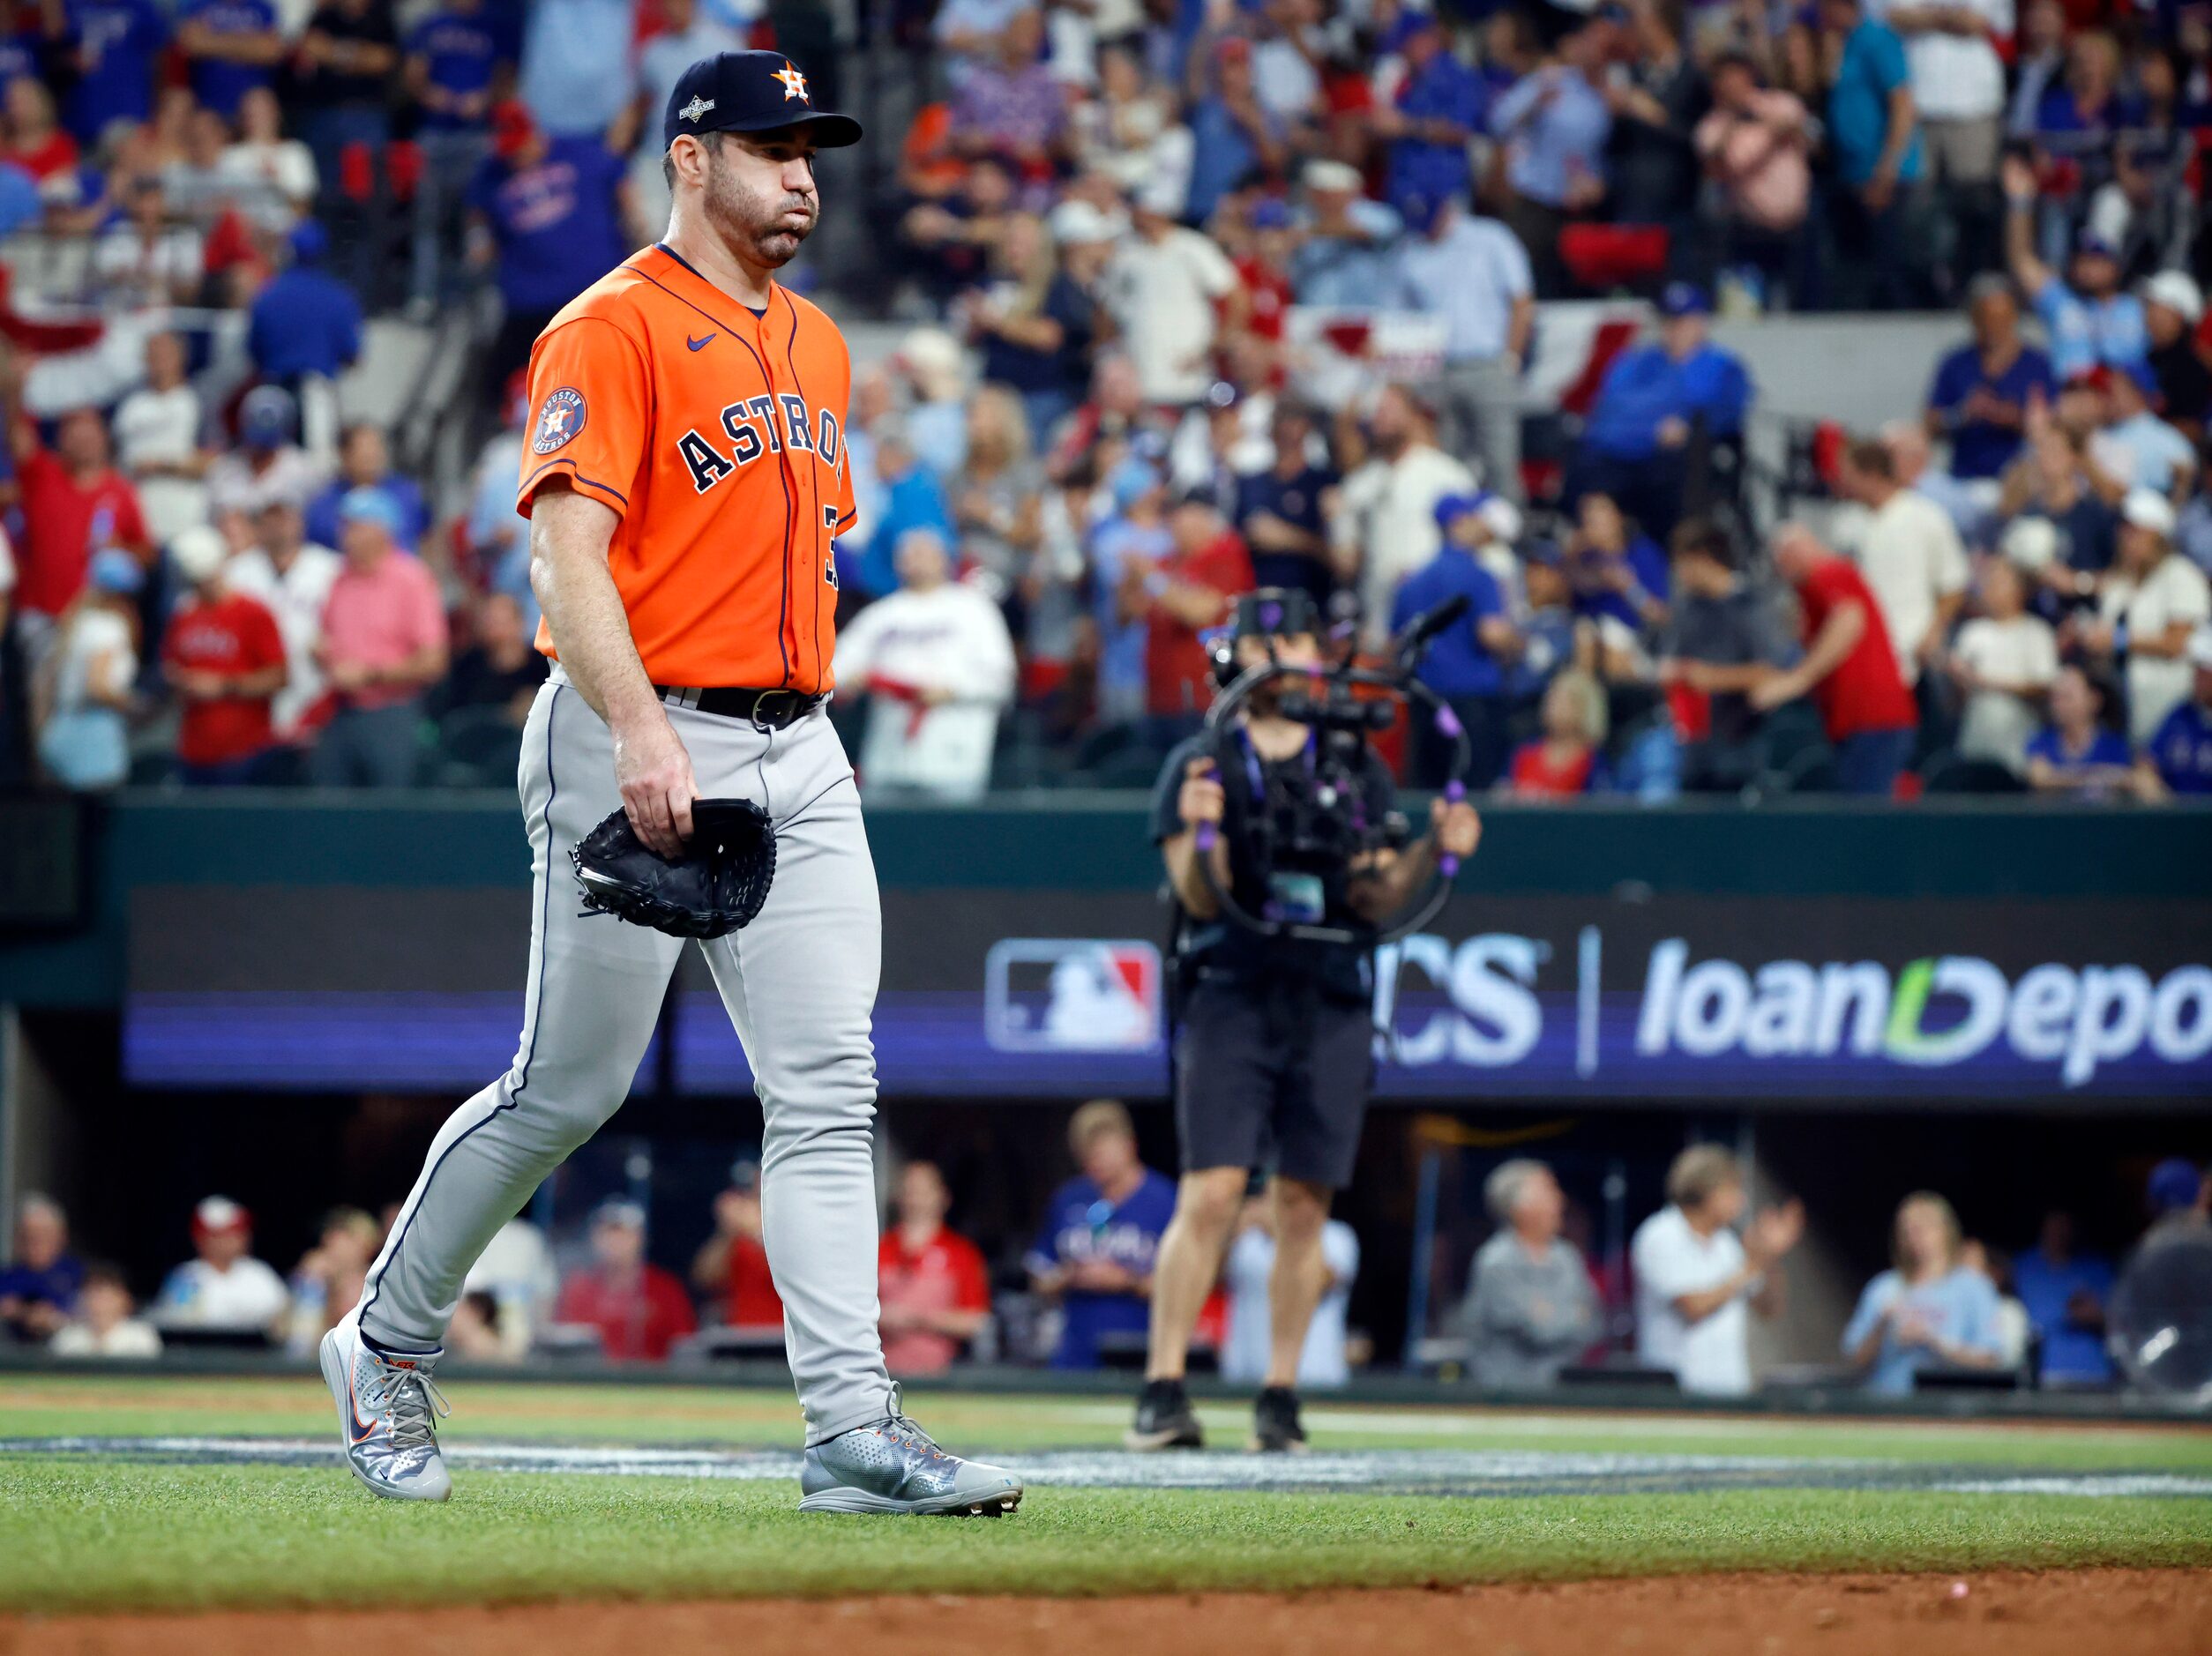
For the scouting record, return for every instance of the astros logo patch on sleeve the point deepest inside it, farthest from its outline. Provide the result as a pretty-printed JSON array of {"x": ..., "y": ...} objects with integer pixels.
[{"x": 559, "y": 421}]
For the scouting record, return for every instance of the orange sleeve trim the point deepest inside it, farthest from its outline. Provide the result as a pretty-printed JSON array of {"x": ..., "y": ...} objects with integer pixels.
[{"x": 530, "y": 483}]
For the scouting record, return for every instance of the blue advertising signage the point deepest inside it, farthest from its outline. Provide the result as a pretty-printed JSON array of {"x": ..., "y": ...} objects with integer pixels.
[{"x": 992, "y": 993}]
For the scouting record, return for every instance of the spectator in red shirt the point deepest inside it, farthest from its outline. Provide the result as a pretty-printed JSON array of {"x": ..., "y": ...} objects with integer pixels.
[
  {"x": 1566, "y": 760},
  {"x": 1264, "y": 270},
  {"x": 1178, "y": 597},
  {"x": 75, "y": 503},
  {"x": 733, "y": 1263},
  {"x": 935, "y": 1293},
  {"x": 224, "y": 657},
  {"x": 384, "y": 643},
  {"x": 1849, "y": 668},
  {"x": 35, "y": 141},
  {"x": 640, "y": 1310}
]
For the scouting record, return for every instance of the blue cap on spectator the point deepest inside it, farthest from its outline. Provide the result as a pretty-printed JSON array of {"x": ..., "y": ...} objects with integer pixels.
[
  {"x": 113, "y": 570},
  {"x": 750, "y": 91},
  {"x": 1683, "y": 299},
  {"x": 1271, "y": 212},
  {"x": 2139, "y": 371},
  {"x": 309, "y": 241},
  {"x": 1419, "y": 211},
  {"x": 265, "y": 417},
  {"x": 368, "y": 503},
  {"x": 1132, "y": 481},
  {"x": 2090, "y": 242},
  {"x": 2174, "y": 1185},
  {"x": 1452, "y": 508}
]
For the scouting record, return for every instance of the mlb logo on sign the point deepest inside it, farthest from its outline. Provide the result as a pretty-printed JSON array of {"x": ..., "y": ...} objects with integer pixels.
[
  {"x": 559, "y": 421},
  {"x": 1072, "y": 994}
]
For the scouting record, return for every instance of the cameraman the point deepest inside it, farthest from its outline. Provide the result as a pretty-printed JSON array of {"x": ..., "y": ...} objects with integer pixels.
[{"x": 1275, "y": 1061}]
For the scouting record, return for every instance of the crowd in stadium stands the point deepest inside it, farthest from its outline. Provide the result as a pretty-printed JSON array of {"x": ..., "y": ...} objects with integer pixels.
[
  {"x": 1211, "y": 295},
  {"x": 1536, "y": 1303}
]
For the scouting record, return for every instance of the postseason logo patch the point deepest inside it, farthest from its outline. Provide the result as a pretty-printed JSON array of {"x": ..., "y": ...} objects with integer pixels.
[{"x": 559, "y": 421}]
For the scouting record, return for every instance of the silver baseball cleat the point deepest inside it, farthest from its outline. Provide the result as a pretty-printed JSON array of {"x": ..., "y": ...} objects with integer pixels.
[
  {"x": 893, "y": 1467},
  {"x": 386, "y": 1410}
]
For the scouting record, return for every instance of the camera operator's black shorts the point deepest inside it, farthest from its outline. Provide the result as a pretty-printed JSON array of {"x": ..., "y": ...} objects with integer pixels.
[{"x": 1272, "y": 1075}]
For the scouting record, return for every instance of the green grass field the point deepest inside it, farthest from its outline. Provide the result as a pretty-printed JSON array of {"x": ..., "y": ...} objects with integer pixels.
[{"x": 108, "y": 1527}]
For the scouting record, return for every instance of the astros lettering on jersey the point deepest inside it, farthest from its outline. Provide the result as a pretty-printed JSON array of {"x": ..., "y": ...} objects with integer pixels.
[{"x": 717, "y": 436}]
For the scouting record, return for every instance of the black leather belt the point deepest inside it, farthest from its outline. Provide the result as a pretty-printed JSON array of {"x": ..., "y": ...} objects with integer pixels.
[{"x": 772, "y": 708}]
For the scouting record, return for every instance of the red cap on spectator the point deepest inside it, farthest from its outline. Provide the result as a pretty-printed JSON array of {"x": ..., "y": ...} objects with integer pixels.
[
  {"x": 216, "y": 1214},
  {"x": 2098, "y": 378},
  {"x": 1233, "y": 46},
  {"x": 511, "y": 128}
]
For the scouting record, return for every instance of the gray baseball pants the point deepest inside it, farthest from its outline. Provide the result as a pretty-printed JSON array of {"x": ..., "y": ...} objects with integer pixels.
[{"x": 800, "y": 984}]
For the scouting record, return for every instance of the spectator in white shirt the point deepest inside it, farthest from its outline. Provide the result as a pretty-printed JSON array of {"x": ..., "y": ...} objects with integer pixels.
[
  {"x": 1957, "y": 76},
  {"x": 268, "y": 464},
  {"x": 2151, "y": 604},
  {"x": 274, "y": 177},
  {"x": 104, "y": 1325},
  {"x": 293, "y": 578},
  {"x": 1173, "y": 292},
  {"x": 158, "y": 430},
  {"x": 1696, "y": 1280},
  {"x": 2003, "y": 663},
  {"x": 225, "y": 1287},
  {"x": 1910, "y": 554},
  {"x": 936, "y": 662},
  {"x": 1387, "y": 527},
  {"x": 146, "y": 261},
  {"x": 1246, "y": 1352}
]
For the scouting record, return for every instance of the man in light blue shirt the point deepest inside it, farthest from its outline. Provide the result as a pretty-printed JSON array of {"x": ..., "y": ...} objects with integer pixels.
[
  {"x": 1473, "y": 272},
  {"x": 2135, "y": 443},
  {"x": 576, "y": 64},
  {"x": 1553, "y": 123},
  {"x": 1950, "y": 1322},
  {"x": 1342, "y": 258},
  {"x": 2089, "y": 316}
]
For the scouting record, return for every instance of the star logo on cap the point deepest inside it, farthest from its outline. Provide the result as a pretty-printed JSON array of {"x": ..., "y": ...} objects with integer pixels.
[
  {"x": 793, "y": 83},
  {"x": 697, "y": 108}
]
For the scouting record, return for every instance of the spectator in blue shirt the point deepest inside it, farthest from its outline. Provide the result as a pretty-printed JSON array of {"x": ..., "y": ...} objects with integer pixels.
[
  {"x": 1096, "y": 1250},
  {"x": 1441, "y": 105},
  {"x": 1614, "y": 568},
  {"x": 232, "y": 45},
  {"x": 576, "y": 64},
  {"x": 911, "y": 500},
  {"x": 2077, "y": 753},
  {"x": 2090, "y": 319},
  {"x": 117, "y": 45},
  {"x": 364, "y": 461},
  {"x": 2064, "y": 1291},
  {"x": 39, "y": 1285},
  {"x": 1342, "y": 256},
  {"x": 1553, "y": 124},
  {"x": 1138, "y": 532},
  {"x": 1473, "y": 272},
  {"x": 547, "y": 211},
  {"x": 1874, "y": 135},
  {"x": 2178, "y": 759},
  {"x": 1657, "y": 408},
  {"x": 1284, "y": 512},
  {"x": 305, "y": 321},
  {"x": 1466, "y": 665},
  {"x": 1928, "y": 1311},
  {"x": 453, "y": 63},
  {"x": 1979, "y": 398},
  {"x": 1232, "y": 134}
]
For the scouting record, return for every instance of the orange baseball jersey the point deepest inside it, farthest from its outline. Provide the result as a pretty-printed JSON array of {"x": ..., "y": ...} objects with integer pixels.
[{"x": 718, "y": 435}]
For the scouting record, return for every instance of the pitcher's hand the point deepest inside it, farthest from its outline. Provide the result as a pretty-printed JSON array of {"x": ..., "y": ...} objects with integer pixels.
[{"x": 654, "y": 773}]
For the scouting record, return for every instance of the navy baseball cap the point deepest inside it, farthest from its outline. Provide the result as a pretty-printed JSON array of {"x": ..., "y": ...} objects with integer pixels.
[
  {"x": 750, "y": 91},
  {"x": 1683, "y": 299}
]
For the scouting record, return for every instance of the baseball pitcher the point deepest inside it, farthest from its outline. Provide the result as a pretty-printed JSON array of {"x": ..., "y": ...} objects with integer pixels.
[{"x": 684, "y": 476}]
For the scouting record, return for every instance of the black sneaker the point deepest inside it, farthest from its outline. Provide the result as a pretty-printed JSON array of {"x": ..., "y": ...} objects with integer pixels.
[
  {"x": 1165, "y": 1419},
  {"x": 1276, "y": 1429}
]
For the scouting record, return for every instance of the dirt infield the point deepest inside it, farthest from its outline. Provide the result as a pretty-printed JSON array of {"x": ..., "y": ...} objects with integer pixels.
[{"x": 2115, "y": 1612}]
